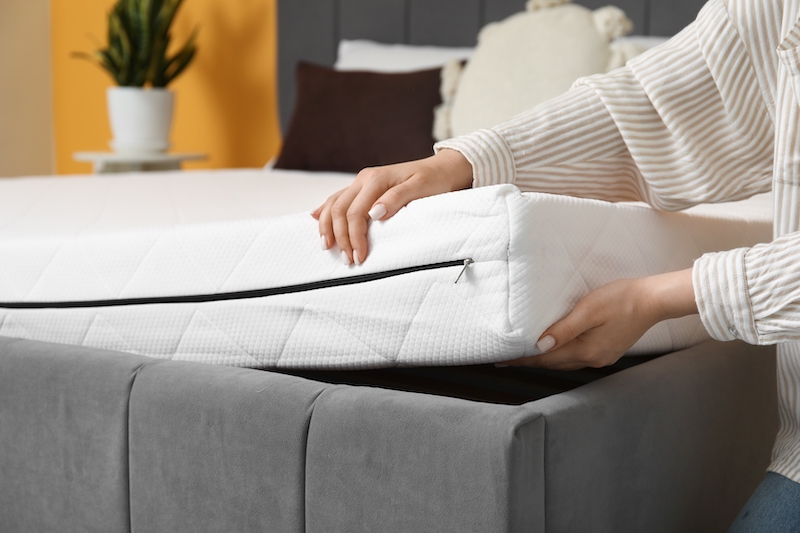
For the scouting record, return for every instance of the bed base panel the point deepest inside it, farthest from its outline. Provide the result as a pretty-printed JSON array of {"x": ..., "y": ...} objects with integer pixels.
[{"x": 102, "y": 441}]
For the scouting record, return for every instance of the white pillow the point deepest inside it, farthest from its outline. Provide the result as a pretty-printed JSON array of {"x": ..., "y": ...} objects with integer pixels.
[
  {"x": 528, "y": 58},
  {"x": 645, "y": 42},
  {"x": 379, "y": 57}
]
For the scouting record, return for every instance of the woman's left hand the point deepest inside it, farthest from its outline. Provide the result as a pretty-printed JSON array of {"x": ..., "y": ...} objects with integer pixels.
[{"x": 609, "y": 320}]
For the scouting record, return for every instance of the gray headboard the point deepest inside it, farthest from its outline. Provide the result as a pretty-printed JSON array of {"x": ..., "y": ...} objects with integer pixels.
[{"x": 311, "y": 29}]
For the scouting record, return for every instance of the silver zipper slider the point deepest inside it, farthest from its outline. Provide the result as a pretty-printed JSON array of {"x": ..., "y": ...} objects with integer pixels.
[{"x": 467, "y": 262}]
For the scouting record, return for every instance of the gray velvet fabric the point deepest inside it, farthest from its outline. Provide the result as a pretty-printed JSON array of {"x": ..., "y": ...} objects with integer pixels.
[
  {"x": 100, "y": 441},
  {"x": 63, "y": 438},
  {"x": 675, "y": 445},
  {"x": 383, "y": 460},
  {"x": 218, "y": 449}
]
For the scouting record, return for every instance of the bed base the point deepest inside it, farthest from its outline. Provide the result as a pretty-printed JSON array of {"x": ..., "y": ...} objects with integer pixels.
[{"x": 109, "y": 442}]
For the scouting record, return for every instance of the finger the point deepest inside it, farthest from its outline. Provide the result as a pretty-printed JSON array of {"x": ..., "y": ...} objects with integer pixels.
[
  {"x": 327, "y": 238},
  {"x": 339, "y": 220},
  {"x": 357, "y": 223},
  {"x": 399, "y": 196},
  {"x": 359, "y": 215},
  {"x": 317, "y": 212},
  {"x": 567, "y": 329},
  {"x": 566, "y": 358}
]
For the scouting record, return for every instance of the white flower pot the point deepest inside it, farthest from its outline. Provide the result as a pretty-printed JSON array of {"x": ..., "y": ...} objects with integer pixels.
[{"x": 140, "y": 119}]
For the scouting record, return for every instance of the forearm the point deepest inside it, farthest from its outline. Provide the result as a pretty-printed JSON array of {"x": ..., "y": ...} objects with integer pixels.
[{"x": 541, "y": 150}]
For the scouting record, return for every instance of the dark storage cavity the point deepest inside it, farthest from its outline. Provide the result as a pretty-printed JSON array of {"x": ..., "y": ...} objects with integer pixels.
[{"x": 484, "y": 383}]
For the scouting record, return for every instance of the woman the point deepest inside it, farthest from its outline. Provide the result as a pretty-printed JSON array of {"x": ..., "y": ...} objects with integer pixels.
[{"x": 711, "y": 116}]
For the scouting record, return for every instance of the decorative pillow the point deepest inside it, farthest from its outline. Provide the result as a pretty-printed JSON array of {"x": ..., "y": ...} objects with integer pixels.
[
  {"x": 643, "y": 42},
  {"x": 528, "y": 58},
  {"x": 379, "y": 57},
  {"x": 345, "y": 121}
]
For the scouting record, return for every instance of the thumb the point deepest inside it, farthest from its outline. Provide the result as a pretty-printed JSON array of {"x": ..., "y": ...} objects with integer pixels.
[
  {"x": 564, "y": 331},
  {"x": 418, "y": 184},
  {"x": 395, "y": 199}
]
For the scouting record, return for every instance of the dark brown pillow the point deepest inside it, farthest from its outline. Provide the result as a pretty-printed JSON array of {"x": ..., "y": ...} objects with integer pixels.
[{"x": 347, "y": 120}]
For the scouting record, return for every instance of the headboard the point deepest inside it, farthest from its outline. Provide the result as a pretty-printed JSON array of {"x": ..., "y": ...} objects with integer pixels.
[{"x": 311, "y": 29}]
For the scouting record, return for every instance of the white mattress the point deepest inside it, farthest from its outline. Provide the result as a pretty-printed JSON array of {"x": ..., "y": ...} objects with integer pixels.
[{"x": 96, "y": 256}]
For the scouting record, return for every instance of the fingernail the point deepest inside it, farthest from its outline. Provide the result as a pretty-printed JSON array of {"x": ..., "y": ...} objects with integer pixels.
[
  {"x": 356, "y": 258},
  {"x": 377, "y": 212},
  {"x": 546, "y": 344},
  {"x": 324, "y": 242},
  {"x": 345, "y": 258}
]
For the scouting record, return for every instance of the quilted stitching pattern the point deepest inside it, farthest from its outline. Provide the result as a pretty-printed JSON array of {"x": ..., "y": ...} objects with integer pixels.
[
  {"x": 190, "y": 233},
  {"x": 592, "y": 243}
]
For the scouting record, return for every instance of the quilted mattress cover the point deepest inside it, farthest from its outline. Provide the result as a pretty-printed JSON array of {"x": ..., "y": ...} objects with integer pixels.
[{"x": 225, "y": 267}]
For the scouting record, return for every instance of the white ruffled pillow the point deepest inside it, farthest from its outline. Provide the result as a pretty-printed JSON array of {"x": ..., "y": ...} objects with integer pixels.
[
  {"x": 379, "y": 57},
  {"x": 528, "y": 58}
]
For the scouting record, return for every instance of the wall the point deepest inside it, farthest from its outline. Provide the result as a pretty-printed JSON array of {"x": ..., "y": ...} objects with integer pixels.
[
  {"x": 225, "y": 101},
  {"x": 26, "y": 131}
]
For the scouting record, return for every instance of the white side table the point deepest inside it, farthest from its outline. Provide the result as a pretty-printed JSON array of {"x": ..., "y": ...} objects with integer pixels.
[{"x": 108, "y": 162}]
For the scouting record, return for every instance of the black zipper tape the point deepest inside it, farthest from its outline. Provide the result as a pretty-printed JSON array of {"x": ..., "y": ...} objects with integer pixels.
[{"x": 238, "y": 295}]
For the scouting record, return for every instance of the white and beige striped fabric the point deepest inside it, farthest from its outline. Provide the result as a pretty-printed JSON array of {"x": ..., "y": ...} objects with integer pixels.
[{"x": 711, "y": 116}]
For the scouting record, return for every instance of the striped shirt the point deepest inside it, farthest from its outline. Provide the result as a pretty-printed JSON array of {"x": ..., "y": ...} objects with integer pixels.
[{"x": 711, "y": 116}]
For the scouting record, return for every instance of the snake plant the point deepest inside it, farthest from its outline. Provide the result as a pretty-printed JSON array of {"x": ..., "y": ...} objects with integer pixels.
[{"x": 138, "y": 39}]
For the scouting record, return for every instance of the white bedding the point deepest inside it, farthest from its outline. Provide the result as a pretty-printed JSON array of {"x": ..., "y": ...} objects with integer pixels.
[{"x": 74, "y": 241}]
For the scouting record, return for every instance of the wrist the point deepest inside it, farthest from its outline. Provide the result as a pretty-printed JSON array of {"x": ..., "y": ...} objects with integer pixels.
[
  {"x": 455, "y": 167},
  {"x": 671, "y": 294}
]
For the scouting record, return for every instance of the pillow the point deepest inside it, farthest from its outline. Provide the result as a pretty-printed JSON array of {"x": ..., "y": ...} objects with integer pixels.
[
  {"x": 345, "y": 121},
  {"x": 379, "y": 57},
  {"x": 363, "y": 54},
  {"x": 528, "y": 58},
  {"x": 644, "y": 42}
]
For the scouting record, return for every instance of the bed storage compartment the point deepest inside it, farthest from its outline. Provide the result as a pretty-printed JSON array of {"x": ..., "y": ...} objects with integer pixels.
[{"x": 676, "y": 443}]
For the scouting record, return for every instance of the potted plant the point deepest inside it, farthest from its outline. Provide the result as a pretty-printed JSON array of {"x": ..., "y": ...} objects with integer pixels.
[{"x": 137, "y": 57}]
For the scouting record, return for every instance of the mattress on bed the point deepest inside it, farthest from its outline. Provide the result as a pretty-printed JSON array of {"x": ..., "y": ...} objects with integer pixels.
[{"x": 220, "y": 267}]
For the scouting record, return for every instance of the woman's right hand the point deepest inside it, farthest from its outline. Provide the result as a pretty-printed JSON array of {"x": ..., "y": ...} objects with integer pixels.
[{"x": 378, "y": 193}]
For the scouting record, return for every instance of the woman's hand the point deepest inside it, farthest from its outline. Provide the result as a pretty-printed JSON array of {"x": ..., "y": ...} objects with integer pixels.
[
  {"x": 378, "y": 193},
  {"x": 609, "y": 320}
]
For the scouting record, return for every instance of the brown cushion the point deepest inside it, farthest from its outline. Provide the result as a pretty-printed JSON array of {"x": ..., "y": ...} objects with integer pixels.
[{"x": 347, "y": 120}]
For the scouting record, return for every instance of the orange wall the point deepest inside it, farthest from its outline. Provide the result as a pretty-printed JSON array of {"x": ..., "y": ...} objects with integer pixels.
[{"x": 225, "y": 100}]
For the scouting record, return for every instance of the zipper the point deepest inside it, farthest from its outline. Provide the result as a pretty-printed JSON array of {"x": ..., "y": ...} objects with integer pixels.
[
  {"x": 241, "y": 295},
  {"x": 467, "y": 262}
]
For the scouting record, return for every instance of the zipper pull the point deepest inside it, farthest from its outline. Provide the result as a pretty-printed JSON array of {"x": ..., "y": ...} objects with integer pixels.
[{"x": 467, "y": 262}]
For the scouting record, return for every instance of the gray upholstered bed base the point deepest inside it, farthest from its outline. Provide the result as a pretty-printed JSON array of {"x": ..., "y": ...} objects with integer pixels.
[{"x": 109, "y": 442}]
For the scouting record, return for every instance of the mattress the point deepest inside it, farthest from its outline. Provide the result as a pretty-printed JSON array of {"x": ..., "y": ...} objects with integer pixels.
[{"x": 225, "y": 267}]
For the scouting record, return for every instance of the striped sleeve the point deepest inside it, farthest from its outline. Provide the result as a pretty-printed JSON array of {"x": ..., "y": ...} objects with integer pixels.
[
  {"x": 686, "y": 123},
  {"x": 568, "y": 145},
  {"x": 751, "y": 294},
  {"x": 689, "y": 122}
]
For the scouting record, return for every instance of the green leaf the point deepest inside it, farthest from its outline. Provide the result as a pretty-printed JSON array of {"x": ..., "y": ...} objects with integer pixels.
[
  {"x": 178, "y": 63},
  {"x": 138, "y": 44}
]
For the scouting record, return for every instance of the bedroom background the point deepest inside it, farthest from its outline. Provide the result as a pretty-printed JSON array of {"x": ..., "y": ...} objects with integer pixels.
[{"x": 52, "y": 105}]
